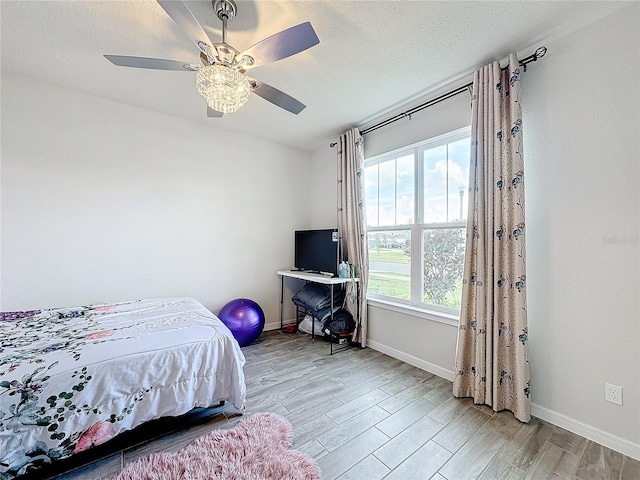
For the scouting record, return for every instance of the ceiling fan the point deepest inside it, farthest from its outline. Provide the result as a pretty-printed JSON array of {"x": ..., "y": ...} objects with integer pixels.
[{"x": 222, "y": 79}]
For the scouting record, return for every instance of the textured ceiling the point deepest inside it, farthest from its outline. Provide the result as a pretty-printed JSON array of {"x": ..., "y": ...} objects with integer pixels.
[{"x": 372, "y": 55}]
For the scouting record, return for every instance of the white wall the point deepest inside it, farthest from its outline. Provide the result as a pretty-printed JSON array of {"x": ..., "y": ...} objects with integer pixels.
[
  {"x": 581, "y": 115},
  {"x": 105, "y": 202},
  {"x": 446, "y": 116},
  {"x": 581, "y": 122},
  {"x": 323, "y": 189}
]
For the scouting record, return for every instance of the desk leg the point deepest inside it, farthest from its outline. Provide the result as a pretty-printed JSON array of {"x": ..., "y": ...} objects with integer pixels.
[
  {"x": 331, "y": 324},
  {"x": 281, "y": 300},
  {"x": 357, "y": 306}
]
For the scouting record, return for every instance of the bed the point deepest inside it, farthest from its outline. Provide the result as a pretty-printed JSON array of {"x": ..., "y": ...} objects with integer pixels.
[{"x": 73, "y": 378}]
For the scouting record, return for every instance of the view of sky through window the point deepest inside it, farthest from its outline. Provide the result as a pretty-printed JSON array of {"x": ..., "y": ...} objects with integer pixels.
[
  {"x": 389, "y": 186},
  {"x": 446, "y": 175}
]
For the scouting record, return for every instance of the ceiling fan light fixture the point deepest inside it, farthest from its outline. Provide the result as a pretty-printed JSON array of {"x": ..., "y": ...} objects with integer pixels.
[
  {"x": 221, "y": 80},
  {"x": 224, "y": 88}
]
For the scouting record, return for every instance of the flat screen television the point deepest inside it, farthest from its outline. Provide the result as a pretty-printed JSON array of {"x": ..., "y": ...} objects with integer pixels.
[{"x": 316, "y": 251}]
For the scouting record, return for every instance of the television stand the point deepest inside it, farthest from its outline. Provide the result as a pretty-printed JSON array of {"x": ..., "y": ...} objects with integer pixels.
[{"x": 316, "y": 278}]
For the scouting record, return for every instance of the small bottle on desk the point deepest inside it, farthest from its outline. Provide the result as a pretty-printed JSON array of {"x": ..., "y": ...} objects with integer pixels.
[{"x": 343, "y": 270}]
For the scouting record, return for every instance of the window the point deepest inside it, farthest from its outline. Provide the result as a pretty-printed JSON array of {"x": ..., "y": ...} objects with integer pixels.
[{"x": 416, "y": 200}]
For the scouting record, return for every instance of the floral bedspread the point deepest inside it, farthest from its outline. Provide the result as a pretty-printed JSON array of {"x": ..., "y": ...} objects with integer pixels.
[{"x": 73, "y": 378}]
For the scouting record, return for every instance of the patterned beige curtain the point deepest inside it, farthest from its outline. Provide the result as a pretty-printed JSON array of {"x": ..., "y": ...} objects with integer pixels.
[
  {"x": 352, "y": 224},
  {"x": 492, "y": 360}
]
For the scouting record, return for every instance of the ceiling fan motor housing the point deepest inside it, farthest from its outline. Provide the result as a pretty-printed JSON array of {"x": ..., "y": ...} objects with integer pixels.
[{"x": 225, "y": 9}]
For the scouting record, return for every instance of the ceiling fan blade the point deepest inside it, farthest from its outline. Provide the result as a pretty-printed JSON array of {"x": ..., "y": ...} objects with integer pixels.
[
  {"x": 282, "y": 45},
  {"x": 153, "y": 63},
  {"x": 211, "y": 113},
  {"x": 183, "y": 17},
  {"x": 277, "y": 97}
]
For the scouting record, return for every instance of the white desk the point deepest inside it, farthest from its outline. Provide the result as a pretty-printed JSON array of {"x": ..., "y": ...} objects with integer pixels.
[{"x": 314, "y": 278}]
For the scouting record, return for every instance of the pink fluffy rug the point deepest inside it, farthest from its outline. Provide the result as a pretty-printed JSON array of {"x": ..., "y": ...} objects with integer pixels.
[{"x": 257, "y": 449}]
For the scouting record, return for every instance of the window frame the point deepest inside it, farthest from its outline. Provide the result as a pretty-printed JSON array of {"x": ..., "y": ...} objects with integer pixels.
[{"x": 415, "y": 305}]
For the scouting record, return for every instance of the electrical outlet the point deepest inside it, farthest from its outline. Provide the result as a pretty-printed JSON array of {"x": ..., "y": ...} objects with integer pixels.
[{"x": 613, "y": 393}]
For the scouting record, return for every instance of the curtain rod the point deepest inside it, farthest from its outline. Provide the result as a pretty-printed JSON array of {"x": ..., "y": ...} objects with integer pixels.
[{"x": 539, "y": 53}]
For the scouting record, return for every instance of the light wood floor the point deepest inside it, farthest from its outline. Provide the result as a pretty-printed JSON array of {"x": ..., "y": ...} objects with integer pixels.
[{"x": 364, "y": 415}]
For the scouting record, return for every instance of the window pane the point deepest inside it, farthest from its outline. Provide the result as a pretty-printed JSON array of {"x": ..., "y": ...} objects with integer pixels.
[
  {"x": 442, "y": 266},
  {"x": 371, "y": 194},
  {"x": 429, "y": 208},
  {"x": 387, "y": 193},
  {"x": 404, "y": 195},
  {"x": 389, "y": 263},
  {"x": 390, "y": 191},
  {"x": 458, "y": 179},
  {"x": 446, "y": 174},
  {"x": 435, "y": 185}
]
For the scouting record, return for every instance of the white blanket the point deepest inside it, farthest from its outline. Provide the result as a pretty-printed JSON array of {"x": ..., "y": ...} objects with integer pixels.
[{"x": 73, "y": 378}]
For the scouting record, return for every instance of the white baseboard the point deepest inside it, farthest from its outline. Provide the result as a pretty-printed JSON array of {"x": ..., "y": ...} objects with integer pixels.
[
  {"x": 271, "y": 326},
  {"x": 276, "y": 325},
  {"x": 594, "y": 434},
  {"x": 601, "y": 437},
  {"x": 411, "y": 360}
]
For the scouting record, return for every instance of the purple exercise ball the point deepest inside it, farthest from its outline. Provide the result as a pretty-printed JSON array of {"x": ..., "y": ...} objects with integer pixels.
[{"x": 244, "y": 318}]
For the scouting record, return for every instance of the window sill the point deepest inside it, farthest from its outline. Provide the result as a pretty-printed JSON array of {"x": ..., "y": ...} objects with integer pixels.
[{"x": 432, "y": 315}]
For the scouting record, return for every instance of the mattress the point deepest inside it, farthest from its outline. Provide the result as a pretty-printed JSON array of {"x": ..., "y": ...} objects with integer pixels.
[{"x": 73, "y": 378}]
